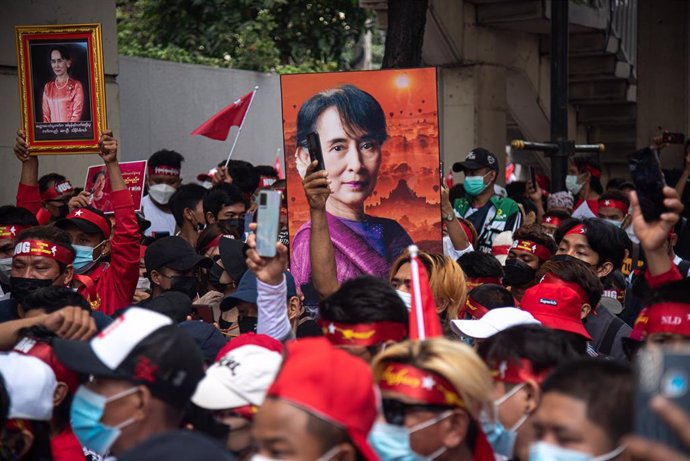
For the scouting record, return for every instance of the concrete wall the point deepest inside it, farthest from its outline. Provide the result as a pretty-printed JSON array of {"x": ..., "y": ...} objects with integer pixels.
[
  {"x": 663, "y": 73},
  {"x": 23, "y": 12},
  {"x": 163, "y": 102}
]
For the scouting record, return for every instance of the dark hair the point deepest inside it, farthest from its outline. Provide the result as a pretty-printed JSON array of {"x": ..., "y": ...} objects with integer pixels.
[
  {"x": 615, "y": 183},
  {"x": 605, "y": 239},
  {"x": 50, "y": 234},
  {"x": 64, "y": 53},
  {"x": 206, "y": 236},
  {"x": 244, "y": 175},
  {"x": 187, "y": 196},
  {"x": 4, "y": 402},
  {"x": 166, "y": 158},
  {"x": 543, "y": 348},
  {"x": 479, "y": 264},
  {"x": 536, "y": 234},
  {"x": 364, "y": 299},
  {"x": 492, "y": 296},
  {"x": 516, "y": 189},
  {"x": 48, "y": 180},
  {"x": 456, "y": 192},
  {"x": 221, "y": 196},
  {"x": 582, "y": 163},
  {"x": 605, "y": 386},
  {"x": 359, "y": 112},
  {"x": 54, "y": 298},
  {"x": 97, "y": 174},
  {"x": 328, "y": 434},
  {"x": 572, "y": 270},
  {"x": 15, "y": 215},
  {"x": 616, "y": 195},
  {"x": 266, "y": 170},
  {"x": 527, "y": 203}
]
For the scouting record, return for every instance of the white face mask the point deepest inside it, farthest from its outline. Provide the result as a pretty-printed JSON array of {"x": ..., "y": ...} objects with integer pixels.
[
  {"x": 330, "y": 454},
  {"x": 143, "y": 284},
  {"x": 5, "y": 268},
  {"x": 406, "y": 298},
  {"x": 161, "y": 193},
  {"x": 572, "y": 185},
  {"x": 543, "y": 451}
]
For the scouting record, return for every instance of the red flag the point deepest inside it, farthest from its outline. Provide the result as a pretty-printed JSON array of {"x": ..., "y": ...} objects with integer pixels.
[
  {"x": 424, "y": 321},
  {"x": 218, "y": 126},
  {"x": 278, "y": 167},
  {"x": 449, "y": 180}
]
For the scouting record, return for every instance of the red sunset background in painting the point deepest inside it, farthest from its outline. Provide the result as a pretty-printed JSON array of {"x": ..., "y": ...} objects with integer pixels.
[{"x": 407, "y": 189}]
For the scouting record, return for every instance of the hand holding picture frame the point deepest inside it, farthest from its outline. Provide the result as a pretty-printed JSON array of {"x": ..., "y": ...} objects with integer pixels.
[{"x": 61, "y": 87}]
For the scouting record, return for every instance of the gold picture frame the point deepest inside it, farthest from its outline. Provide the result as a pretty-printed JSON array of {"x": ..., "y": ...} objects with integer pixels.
[{"x": 61, "y": 87}]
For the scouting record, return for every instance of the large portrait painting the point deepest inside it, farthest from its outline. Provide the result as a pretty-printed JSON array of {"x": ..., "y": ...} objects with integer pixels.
[
  {"x": 380, "y": 140},
  {"x": 61, "y": 87}
]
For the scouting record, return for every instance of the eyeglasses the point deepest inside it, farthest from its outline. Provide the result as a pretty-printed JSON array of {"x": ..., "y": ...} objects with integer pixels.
[{"x": 394, "y": 411}]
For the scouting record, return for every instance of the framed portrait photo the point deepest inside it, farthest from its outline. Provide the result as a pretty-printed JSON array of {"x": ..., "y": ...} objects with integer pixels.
[{"x": 61, "y": 87}]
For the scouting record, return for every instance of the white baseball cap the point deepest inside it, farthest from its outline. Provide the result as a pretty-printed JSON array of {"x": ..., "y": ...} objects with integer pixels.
[
  {"x": 242, "y": 377},
  {"x": 30, "y": 384},
  {"x": 494, "y": 321},
  {"x": 501, "y": 246}
]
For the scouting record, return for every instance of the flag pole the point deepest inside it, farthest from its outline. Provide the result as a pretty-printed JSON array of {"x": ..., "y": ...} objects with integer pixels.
[
  {"x": 417, "y": 291},
  {"x": 237, "y": 135}
]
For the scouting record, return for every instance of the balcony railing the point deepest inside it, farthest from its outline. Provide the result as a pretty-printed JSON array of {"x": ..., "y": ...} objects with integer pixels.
[{"x": 624, "y": 26}]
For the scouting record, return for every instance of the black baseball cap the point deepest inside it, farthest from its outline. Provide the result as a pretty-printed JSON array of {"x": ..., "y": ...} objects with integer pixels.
[
  {"x": 232, "y": 255},
  {"x": 247, "y": 291},
  {"x": 175, "y": 253},
  {"x": 143, "y": 347},
  {"x": 476, "y": 159}
]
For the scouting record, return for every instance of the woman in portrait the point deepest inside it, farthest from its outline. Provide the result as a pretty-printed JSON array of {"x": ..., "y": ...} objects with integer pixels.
[
  {"x": 340, "y": 239},
  {"x": 100, "y": 199},
  {"x": 63, "y": 97}
]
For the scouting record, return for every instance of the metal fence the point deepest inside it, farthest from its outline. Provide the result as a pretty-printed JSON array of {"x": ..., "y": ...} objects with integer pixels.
[{"x": 624, "y": 27}]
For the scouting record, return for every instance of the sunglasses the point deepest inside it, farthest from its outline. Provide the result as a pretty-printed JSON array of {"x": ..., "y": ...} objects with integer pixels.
[{"x": 394, "y": 411}]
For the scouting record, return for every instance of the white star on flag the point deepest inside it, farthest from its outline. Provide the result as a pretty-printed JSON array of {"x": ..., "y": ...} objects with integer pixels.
[
  {"x": 331, "y": 328},
  {"x": 548, "y": 219},
  {"x": 607, "y": 202},
  {"x": 428, "y": 382},
  {"x": 78, "y": 213}
]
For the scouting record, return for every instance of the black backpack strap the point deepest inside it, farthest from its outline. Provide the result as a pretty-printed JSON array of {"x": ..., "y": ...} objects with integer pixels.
[{"x": 610, "y": 335}]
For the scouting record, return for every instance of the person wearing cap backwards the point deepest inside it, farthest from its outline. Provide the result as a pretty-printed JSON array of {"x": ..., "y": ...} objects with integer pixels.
[
  {"x": 235, "y": 387},
  {"x": 585, "y": 411},
  {"x": 144, "y": 369},
  {"x": 162, "y": 180},
  {"x": 108, "y": 287},
  {"x": 30, "y": 386},
  {"x": 321, "y": 407},
  {"x": 530, "y": 249},
  {"x": 489, "y": 214},
  {"x": 584, "y": 182},
  {"x": 519, "y": 358},
  {"x": 432, "y": 394},
  {"x": 13, "y": 220},
  {"x": 171, "y": 264}
]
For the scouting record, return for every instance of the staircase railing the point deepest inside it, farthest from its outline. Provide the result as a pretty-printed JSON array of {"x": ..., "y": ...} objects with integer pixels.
[{"x": 624, "y": 26}]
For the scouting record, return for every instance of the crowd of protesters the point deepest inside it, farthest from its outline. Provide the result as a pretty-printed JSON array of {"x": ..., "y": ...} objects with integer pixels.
[{"x": 163, "y": 334}]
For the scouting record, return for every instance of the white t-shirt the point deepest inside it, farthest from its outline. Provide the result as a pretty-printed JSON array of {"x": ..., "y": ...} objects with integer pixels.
[{"x": 160, "y": 220}]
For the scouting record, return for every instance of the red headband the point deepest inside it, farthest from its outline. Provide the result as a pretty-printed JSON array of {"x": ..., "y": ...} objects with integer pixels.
[
  {"x": 540, "y": 251},
  {"x": 247, "y": 411},
  {"x": 673, "y": 318},
  {"x": 594, "y": 171},
  {"x": 612, "y": 203},
  {"x": 473, "y": 282},
  {"x": 165, "y": 170},
  {"x": 46, "y": 249},
  {"x": 57, "y": 189},
  {"x": 474, "y": 308},
  {"x": 552, "y": 220},
  {"x": 11, "y": 230},
  {"x": 578, "y": 229},
  {"x": 419, "y": 384},
  {"x": 516, "y": 372},
  {"x": 212, "y": 243},
  {"x": 97, "y": 220},
  {"x": 582, "y": 294},
  {"x": 500, "y": 250},
  {"x": 362, "y": 334}
]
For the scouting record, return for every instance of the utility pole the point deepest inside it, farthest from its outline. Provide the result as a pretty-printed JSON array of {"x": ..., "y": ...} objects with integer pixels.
[{"x": 560, "y": 146}]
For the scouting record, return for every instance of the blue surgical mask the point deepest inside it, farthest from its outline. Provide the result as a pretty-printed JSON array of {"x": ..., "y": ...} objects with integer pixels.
[
  {"x": 613, "y": 222},
  {"x": 543, "y": 451},
  {"x": 502, "y": 440},
  {"x": 572, "y": 185},
  {"x": 392, "y": 442},
  {"x": 85, "y": 415},
  {"x": 406, "y": 298},
  {"x": 83, "y": 258},
  {"x": 474, "y": 185}
]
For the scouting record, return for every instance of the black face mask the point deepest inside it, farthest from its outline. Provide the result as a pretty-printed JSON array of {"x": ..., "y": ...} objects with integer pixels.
[
  {"x": 247, "y": 324},
  {"x": 22, "y": 287},
  {"x": 63, "y": 210},
  {"x": 184, "y": 284},
  {"x": 232, "y": 226},
  {"x": 214, "y": 275},
  {"x": 517, "y": 273}
]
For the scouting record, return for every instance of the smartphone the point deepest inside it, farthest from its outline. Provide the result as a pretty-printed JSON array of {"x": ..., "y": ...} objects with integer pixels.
[
  {"x": 672, "y": 138},
  {"x": 315, "y": 152},
  {"x": 533, "y": 177},
  {"x": 649, "y": 182},
  {"x": 202, "y": 312},
  {"x": 268, "y": 222},
  {"x": 666, "y": 372}
]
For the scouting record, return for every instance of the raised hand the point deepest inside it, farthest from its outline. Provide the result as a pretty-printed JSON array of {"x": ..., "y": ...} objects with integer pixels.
[
  {"x": 108, "y": 146},
  {"x": 316, "y": 187},
  {"x": 653, "y": 235},
  {"x": 71, "y": 323},
  {"x": 21, "y": 150},
  {"x": 268, "y": 270},
  {"x": 79, "y": 201}
]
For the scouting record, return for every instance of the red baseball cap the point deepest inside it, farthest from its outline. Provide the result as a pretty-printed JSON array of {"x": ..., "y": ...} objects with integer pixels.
[
  {"x": 331, "y": 384},
  {"x": 44, "y": 352},
  {"x": 556, "y": 306},
  {"x": 664, "y": 317},
  {"x": 89, "y": 220},
  {"x": 254, "y": 339}
]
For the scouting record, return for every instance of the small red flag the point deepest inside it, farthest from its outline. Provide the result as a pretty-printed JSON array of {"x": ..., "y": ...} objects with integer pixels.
[
  {"x": 278, "y": 167},
  {"x": 449, "y": 179},
  {"x": 218, "y": 126},
  {"x": 424, "y": 321}
]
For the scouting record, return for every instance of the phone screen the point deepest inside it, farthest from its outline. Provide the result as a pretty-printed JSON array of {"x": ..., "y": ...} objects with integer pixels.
[
  {"x": 315, "y": 152},
  {"x": 649, "y": 183}
]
